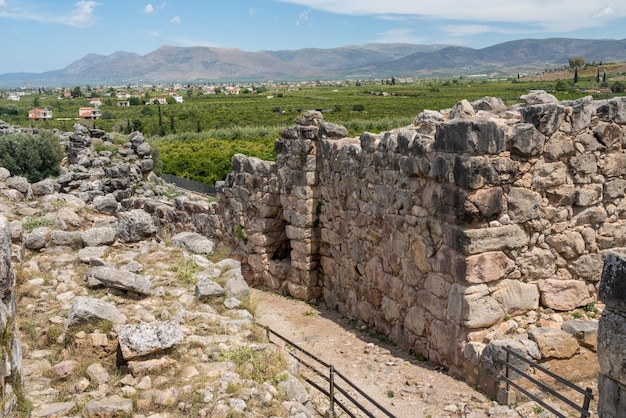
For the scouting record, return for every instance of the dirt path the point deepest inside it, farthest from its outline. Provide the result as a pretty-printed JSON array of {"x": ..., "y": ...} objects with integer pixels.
[{"x": 403, "y": 385}]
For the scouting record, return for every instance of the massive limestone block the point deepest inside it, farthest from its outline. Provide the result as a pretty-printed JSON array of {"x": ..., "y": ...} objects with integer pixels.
[
  {"x": 612, "y": 110},
  {"x": 547, "y": 118},
  {"x": 118, "y": 279},
  {"x": 85, "y": 309},
  {"x": 463, "y": 110},
  {"x": 554, "y": 343},
  {"x": 516, "y": 297},
  {"x": 473, "y": 307},
  {"x": 105, "y": 204},
  {"x": 193, "y": 242},
  {"x": 489, "y": 104},
  {"x": 527, "y": 141},
  {"x": 488, "y": 267},
  {"x": 569, "y": 244},
  {"x": 135, "y": 225},
  {"x": 586, "y": 332},
  {"x": 146, "y": 338},
  {"x": 549, "y": 175},
  {"x": 611, "y": 343},
  {"x": 476, "y": 136},
  {"x": 613, "y": 284},
  {"x": 474, "y": 241},
  {"x": 563, "y": 295},
  {"x": 523, "y": 204},
  {"x": 95, "y": 237}
]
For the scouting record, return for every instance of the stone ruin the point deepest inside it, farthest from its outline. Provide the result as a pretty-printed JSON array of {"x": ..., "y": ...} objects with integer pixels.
[{"x": 476, "y": 227}]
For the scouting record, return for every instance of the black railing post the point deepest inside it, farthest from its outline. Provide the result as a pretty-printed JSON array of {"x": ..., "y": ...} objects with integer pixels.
[
  {"x": 586, "y": 403},
  {"x": 506, "y": 373},
  {"x": 332, "y": 390}
]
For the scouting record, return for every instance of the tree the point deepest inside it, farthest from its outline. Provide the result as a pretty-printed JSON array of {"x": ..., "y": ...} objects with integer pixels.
[
  {"x": 604, "y": 76},
  {"x": 35, "y": 157},
  {"x": 597, "y": 75},
  {"x": 76, "y": 92},
  {"x": 576, "y": 75},
  {"x": 617, "y": 87},
  {"x": 576, "y": 62}
]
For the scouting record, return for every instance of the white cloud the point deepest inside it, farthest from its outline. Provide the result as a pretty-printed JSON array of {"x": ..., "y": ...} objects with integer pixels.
[
  {"x": 82, "y": 14},
  {"x": 149, "y": 9},
  {"x": 175, "y": 19},
  {"x": 552, "y": 15},
  {"x": 252, "y": 12}
]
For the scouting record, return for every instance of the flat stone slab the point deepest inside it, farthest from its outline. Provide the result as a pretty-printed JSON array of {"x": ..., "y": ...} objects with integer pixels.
[
  {"x": 85, "y": 309},
  {"x": 193, "y": 242},
  {"x": 146, "y": 338},
  {"x": 118, "y": 279}
]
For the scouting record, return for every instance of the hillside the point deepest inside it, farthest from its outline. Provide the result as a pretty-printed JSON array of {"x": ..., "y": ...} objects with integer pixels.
[{"x": 193, "y": 64}]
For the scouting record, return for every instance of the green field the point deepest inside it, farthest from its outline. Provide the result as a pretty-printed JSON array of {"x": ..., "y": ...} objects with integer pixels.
[{"x": 197, "y": 138}]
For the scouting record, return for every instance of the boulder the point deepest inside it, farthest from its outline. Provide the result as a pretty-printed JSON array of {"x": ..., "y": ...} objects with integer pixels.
[
  {"x": 118, "y": 279},
  {"x": 18, "y": 183},
  {"x": 563, "y": 295},
  {"x": 586, "y": 332},
  {"x": 488, "y": 267},
  {"x": 95, "y": 237},
  {"x": 105, "y": 204},
  {"x": 554, "y": 343},
  {"x": 527, "y": 141},
  {"x": 37, "y": 238},
  {"x": 86, "y": 309},
  {"x": 146, "y": 338},
  {"x": 108, "y": 407},
  {"x": 207, "y": 288},
  {"x": 193, "y": 242},
  {"x": 135, "y": 225},
  {"x": 44, "y": 187}
]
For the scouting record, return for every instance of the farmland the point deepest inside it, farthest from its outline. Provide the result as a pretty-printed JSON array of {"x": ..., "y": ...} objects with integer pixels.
[{"x": 197, "y": 138}]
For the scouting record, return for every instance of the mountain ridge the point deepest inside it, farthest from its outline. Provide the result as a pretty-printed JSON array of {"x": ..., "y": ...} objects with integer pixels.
[{"x": 169, "y": 64}]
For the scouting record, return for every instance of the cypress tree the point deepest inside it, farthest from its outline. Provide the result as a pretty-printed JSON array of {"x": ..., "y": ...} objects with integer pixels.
[{"x": 576, "y": 75}]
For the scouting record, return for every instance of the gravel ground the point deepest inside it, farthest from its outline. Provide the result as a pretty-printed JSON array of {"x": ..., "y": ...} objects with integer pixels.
[{"x": 403, "y": 385}]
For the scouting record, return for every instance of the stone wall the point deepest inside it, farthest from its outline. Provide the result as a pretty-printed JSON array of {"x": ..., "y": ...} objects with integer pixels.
[
  {"x": 10, "y": 348},
  {"x": 612, "y": 338},
  {"x": 438, "y": 233}
]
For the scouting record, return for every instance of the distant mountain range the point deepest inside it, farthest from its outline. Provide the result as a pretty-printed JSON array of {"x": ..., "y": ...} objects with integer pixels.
[{"x": 204, "y": 64}]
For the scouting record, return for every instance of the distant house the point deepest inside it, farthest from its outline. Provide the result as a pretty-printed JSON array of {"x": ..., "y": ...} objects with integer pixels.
[
  {"x": 95, "y": 102},
  {"x": 179, "y": 99},
  {"x": 14, "y": 96},
  {"x": 159, "y": 101},
  {"x": 123, "y": 103},
  {"x": 89, "y": 113},
  {"x": 39, "y": 114},
  {"x": 122, "y": 96}
]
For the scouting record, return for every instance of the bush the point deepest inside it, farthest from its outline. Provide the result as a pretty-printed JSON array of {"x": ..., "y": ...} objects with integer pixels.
[
  {"x": 35, "y": 157},
  {"x": 617, "y": 87}
]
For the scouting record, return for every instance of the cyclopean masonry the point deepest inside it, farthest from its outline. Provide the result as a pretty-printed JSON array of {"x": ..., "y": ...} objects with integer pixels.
[{"x": 447, "y": 236}]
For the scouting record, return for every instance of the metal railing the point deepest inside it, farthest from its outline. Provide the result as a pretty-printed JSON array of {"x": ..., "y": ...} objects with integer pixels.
[
  {"x": 330, "y": 376},
  {"x": 587, "y": 393}
]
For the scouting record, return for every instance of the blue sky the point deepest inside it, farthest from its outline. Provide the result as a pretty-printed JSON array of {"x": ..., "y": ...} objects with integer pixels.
[{"x": 48, "y": 35}]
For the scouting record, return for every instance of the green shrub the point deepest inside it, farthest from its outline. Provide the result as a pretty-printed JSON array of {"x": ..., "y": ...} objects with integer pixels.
[{"x": 35, "y": 157}]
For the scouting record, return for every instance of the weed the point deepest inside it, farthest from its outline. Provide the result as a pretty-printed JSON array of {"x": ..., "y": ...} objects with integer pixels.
[
  {"x": 185, "y": 270},
  {"x": 309, "y": 312},
  {"x": 32, "y": 223},
  {"x": 53, "y": 333},
  {"x": 241, "y": 234},
  {"x": 537, "y": 410},
  {"x": 105, "y": 147},
  {"x": 390, "y": 394},
  {"x": 59, "y": 203},
  {"x": 577, "y": 315},
  {"x": 254, "y": 363},
  {"x": 249, "y": 304}
]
